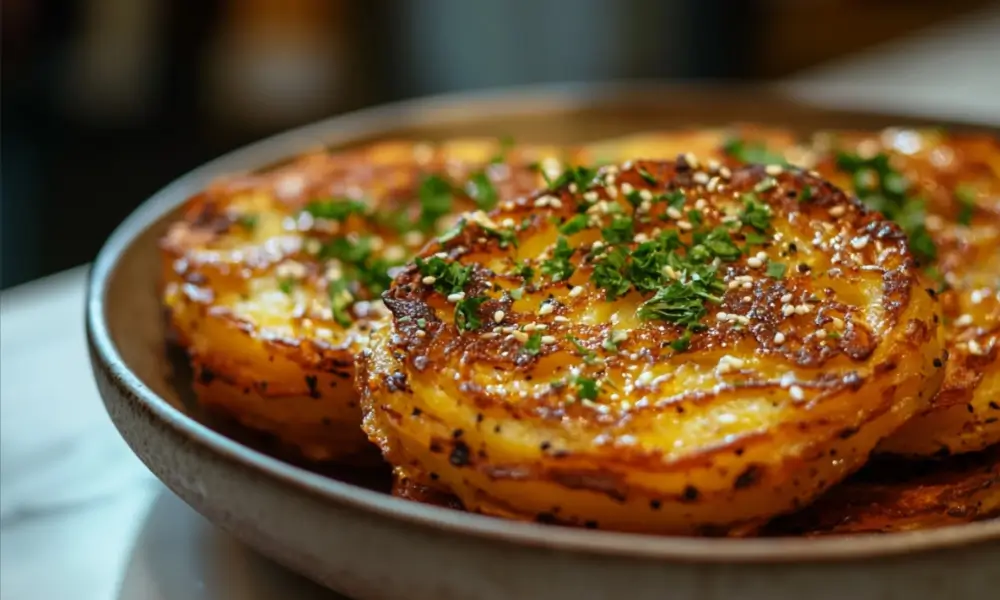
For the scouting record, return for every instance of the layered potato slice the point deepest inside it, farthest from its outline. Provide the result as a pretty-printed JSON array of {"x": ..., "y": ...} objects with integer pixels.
[
  {"x": 665, "y": 347},
  {"x": 895, "y": 495},
  {"x": 943, "y": 189},
  {"x": 272, "y": 280}
]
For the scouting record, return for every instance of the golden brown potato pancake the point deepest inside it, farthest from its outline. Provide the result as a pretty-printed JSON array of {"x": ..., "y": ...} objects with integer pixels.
[
  {"x": 272, "y": 280},
  {"x": 944, "y": 189},
  {"x": 671, "y": 347},
  {"x": 897, "y": 495}
]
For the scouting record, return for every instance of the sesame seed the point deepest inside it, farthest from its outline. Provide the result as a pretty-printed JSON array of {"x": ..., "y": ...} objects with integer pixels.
[
  {"x": 646, "y": 195},
  {"x": 429, "y": 280},
  {"x": 489, "y": 335},
  {"x": 837, "y": 211},
  {"x": 590, "y": 196},
  {"x": 779, "y": 338},
  {"x": 421, "y": 333},
  {"x": 555, "y": 203},
  {"x": 560, "y": 319},
  {"x": 747, "y": 298},
  {"x": 787, "y": 310},
  {"x": 859, "y": 242},
  {"x": 975, "y": 349},
  {"x": 530, "y": 326},
  {"x": 576, "y": 291},
  {"x": 754, "y": 263},
  {"x": 700, "y": 204},
  {"x": 498, "y": 316},
  {"x": 520, "y": 336},
  {"x": 963, "y": 321},
  {"x": 803, "y": 309},
  {"x": 976, "y": 297},
  {"x": 572, "y": 188},
  {"x": 774, "y": 170},
  {"x": 713, "y": 165},
  {"x": 456, "y": 297},
  {"x": 673, "y": 213},
  {"x": 725, "y": 173},
  {"x": 548, "y": 339},
  {"x": 701, "y": 178},
  {"x": 508, "y": 223},
  {"x": 546, "y": 309},
  {"x": 797, "y": 393},
  {"x": 732, "y": 284},
  {"x": 786, "y": 298},
  {"x": 713, "y": 184},
  {"x": 508, "y": 206},
  {"x": 838, "y": 322},
  {"x": 684, "y": 225},
  {"x": 691, "y": 160},
  {"x": 627, "y": 188},
  {"x": 597, "y": 245},
  {"x": 722, "y": 316},
  {"x": 821, "y": 334},
  {"x": 762, "y": 255},
  {"x": 747, "y": 285}
]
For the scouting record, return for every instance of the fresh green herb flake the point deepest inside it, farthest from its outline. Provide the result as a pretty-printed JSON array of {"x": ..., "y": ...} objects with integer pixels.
[
  {"x": 576, "y": 224},
  {"x": 449, "y": 277},
  {"x": 336, "y": 209},
  {"x": 467, "y": 313},
  {"x": 533, "y": 345},
  {"x": 647, "y": 176},
  {"x": 482, "y": 192},
  {"x": 776, "y": 270},
  {"x": 752, "y": 152},
  {"x": 559, "y": 267},
  {"x": 435, "y": 195}
]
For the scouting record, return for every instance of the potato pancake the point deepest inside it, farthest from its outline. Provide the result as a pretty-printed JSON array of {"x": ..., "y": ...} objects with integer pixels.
[
  {"x": 272, "y": 280},
  {"x": 665, "y": 347},
  {"x": 944, "y": 190},
  {"x": 897, "y": 495}
]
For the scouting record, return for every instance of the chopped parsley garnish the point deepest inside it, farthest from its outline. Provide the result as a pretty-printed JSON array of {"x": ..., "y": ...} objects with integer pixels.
[
  {"x": 674, "y": 199},
  {"x": 286, "y": 285},
  {"x": 248, "y": 221},
  {"x": 435, "y": 195},
  {"x": 481, "y": 191},
  {"x": 714, "y": 244},
  {"x": 574, "y": 225},
  {"x": 682, "y": 343},
  {"x": 525, "y": 271},
  {"x": 336, "y": 210},
  {"x": 884, "y": 189},
  {"x": 449, "y": 277},
  {"x": 647, "y": 176},
  {"x": 533, "y": 345},
  {"x": 755, "y": 239},
  {"x": 776, "y": 270},
  {"x": 682, "y": 303},
  {"x": 340, "y": 301},
  {"x": 755, "y": 214},
  {"x": 966, "y": 197},
  {"x": 581, "y": 176},
  {"x": 467, "y": 313},
  {"x": 752, "y": 152},
  {"x": 620, "y": 231},
  {"x": 607, "y": 274},
  {"x": 806, "y": 194},
  {"x": 586, "y": 388},
  {"x": 359, "y": 262},
  {"x": 588, "y": 355},
  {"x": 559, "y": 267}
]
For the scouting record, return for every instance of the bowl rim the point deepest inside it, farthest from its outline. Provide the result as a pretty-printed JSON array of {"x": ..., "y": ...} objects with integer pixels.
[{"x": 443, "y": 109}]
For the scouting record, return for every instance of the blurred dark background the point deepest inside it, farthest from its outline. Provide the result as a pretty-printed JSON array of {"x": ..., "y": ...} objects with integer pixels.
[{"x": 105, "y": 101}]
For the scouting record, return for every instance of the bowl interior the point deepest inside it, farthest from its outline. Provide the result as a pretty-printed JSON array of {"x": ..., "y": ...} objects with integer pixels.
[{"x": 128, "y": 330}]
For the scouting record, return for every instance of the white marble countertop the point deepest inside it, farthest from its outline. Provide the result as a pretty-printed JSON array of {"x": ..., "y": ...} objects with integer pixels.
[{"x": 82, "y": 519}]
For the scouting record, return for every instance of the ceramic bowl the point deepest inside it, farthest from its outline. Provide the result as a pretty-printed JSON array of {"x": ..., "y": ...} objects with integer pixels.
[{"x": 351, "y": 536}]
